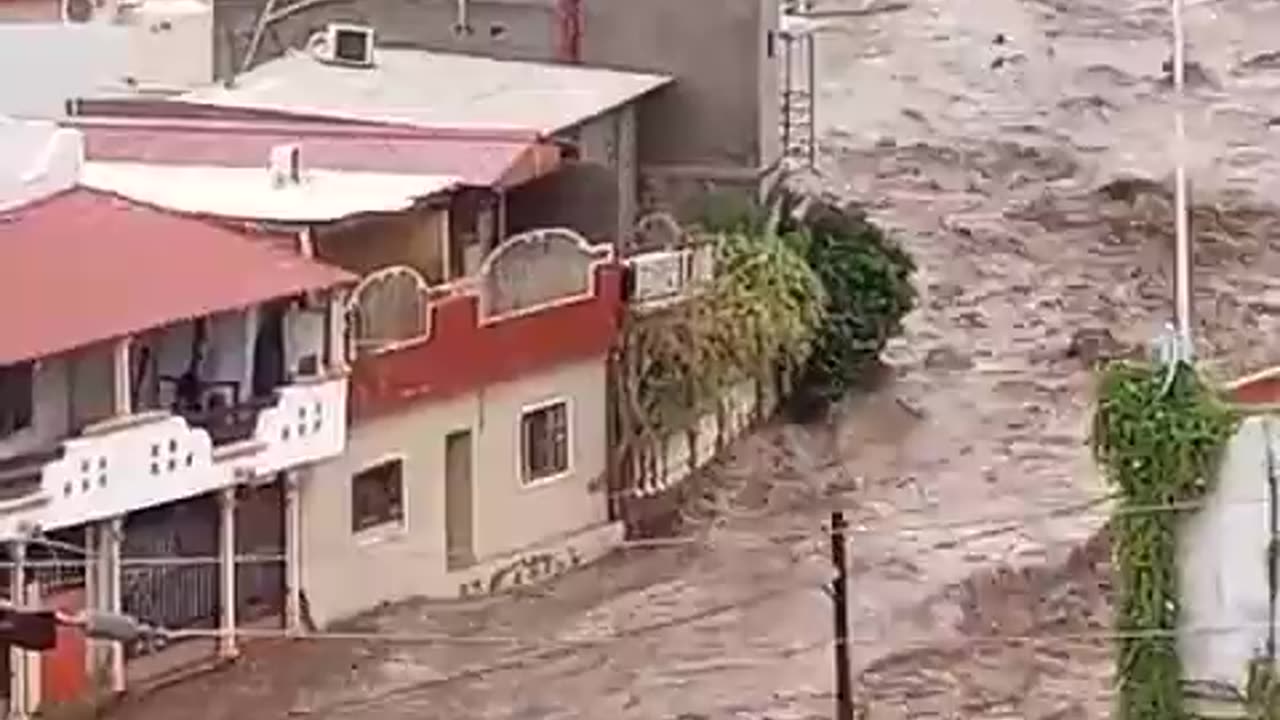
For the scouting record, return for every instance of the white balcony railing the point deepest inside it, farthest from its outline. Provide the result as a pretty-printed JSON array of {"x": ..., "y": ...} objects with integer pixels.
[
  {"x": 150, "y": 459},
  {"x": 663, "y": 277}
]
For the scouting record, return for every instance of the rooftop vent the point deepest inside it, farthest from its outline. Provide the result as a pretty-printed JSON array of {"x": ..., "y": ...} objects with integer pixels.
[
  {"x": 286, "y": 165},
  {"x": 343, "y": 44}
]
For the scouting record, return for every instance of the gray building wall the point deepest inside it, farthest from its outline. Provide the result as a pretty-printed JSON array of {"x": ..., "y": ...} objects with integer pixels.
[
  {"x": 507, "y": 29},
  {"x": 718, "y": 122}
]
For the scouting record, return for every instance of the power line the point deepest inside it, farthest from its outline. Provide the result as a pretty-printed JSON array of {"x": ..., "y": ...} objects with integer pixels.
[
  {"x": 1077, "y": 509},
  {"x": 552, "y": 652},
  {"x": 568, "y": 647}
]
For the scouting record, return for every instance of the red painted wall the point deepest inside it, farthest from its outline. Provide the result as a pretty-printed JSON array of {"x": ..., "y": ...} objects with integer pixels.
[
  {"x": 462, "y": 355},
  {"x": 63, "y": 677},
  {"x": 1264, "y": 391}
]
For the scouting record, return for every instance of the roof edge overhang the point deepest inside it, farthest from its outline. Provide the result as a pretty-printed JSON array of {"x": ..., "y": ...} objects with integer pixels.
[{"x": 341, "y": 278}]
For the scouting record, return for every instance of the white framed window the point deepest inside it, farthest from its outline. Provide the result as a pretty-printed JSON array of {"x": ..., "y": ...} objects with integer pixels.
[
  {"x": 377, "y": 496},
  {"x": 544, "y": 442},
  {"x": 17, "y": 397}
]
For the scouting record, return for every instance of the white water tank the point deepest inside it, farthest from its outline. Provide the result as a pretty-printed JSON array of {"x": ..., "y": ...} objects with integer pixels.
[{"x": 171, "y": 43}]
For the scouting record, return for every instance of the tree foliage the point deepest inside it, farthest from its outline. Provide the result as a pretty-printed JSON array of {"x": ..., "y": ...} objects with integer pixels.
[{"x": 868, "y": 278}]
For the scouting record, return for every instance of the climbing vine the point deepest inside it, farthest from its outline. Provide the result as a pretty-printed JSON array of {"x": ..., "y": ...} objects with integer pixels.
[
  {"x": 1158, "y": 434},
  {"x": 757, "y": 315}
]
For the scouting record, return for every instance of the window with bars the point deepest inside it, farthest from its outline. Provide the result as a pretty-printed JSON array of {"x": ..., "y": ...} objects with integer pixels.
[
  {"x": 544, "y": 442},
  {"x": 377, "y": 496},
  {"x": 17, "y": 397}
]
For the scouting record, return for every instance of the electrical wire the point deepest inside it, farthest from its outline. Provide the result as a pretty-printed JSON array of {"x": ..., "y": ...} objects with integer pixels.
[
  {"x": 552, "y": 652},
  {"x": 973, "y": 642},
  {"x": 1087, "y": 508}
]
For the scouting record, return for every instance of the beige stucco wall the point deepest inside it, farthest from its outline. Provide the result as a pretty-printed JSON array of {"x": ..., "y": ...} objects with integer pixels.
[{"x": 345, "y": 574}]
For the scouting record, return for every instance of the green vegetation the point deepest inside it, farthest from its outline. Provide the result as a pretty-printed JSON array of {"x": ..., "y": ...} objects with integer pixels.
[
  {"x": 759, "y": 314},
  {"x": 866, "y": 274},
  {"x": 1158, "y": 434}
]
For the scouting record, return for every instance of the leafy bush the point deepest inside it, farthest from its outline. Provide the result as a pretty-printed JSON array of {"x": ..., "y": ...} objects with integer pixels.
[
  {"x": 759, "y": 314},
  {"x": 866, "y": 274},
  {"x": 868, "y": 279}
]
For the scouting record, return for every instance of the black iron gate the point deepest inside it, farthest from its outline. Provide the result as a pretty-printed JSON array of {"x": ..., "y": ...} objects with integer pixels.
[{"x": 170, "y": 573}]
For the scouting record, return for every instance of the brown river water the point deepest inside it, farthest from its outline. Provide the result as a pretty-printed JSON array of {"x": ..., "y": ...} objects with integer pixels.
[{"x": 1019, "y": 148}]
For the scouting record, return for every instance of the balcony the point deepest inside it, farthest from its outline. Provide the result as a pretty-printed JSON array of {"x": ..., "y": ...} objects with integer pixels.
[
  {"x": 539, "y": 299},
  {"x": 174, "y": 412},
  {"x": 157, "y": 457}
]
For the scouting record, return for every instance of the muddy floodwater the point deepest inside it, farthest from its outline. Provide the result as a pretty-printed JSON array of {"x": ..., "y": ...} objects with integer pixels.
[{"x": 1019, "y": 148}]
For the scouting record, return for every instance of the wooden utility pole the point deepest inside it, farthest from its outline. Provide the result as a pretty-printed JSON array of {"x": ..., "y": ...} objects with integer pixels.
[{"x": 840, "y": 599}]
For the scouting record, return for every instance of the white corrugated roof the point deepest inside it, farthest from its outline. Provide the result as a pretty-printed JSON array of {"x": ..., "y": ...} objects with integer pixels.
[
  {"x": 248, "y": 194},
  {"x": 434, "y": 90}
]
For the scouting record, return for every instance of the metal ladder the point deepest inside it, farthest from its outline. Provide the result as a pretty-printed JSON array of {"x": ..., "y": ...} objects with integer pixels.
[{"x": 799, "y": 85}]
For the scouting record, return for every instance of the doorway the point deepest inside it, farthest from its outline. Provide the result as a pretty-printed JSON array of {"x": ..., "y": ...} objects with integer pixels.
[{"x": 458, "y": 500}]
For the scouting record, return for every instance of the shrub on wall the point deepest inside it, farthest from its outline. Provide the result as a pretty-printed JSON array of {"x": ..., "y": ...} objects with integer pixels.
[
  {"x": 759, "y": 313},
  {"x": 867, "y": 276}
]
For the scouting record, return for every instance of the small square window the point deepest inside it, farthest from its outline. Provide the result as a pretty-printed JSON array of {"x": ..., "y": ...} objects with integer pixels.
[
  {"x": 377, "y": 496},
  {"x": 544, "y": 442}
]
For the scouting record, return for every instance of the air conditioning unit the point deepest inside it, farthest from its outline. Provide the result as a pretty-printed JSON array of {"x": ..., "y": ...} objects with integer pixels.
[
  {"x": 80, "y": 12},
  {"x": 344, "y": 44},
  {"x": 656, "y": 276}
]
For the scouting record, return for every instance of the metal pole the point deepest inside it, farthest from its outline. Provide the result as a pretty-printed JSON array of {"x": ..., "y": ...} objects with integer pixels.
[
  {"x": 840, "y": 597},
  {"x": 1182, "y": 229},
  {"x": 811, "y": 59},
  {"x": 786, "y": 39}
]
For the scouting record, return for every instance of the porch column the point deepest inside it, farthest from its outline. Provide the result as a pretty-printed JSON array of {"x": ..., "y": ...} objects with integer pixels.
[
  {"x": 501, "y": 214},
  {"x": 34, "y": 599},
  {"x": 122, "y": 392},
  {"x": 110, "y": 539},
  {"x": 18, "y": 706},
  {"x": 292, "y": 552},
  {"x": 337, "y": 333},
  {"x": 227, "y": 645}
]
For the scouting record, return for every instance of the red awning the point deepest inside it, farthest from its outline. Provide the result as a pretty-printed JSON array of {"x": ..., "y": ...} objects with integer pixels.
[
  {"x": 481, "y": 157},
  {"x": 83, "y": 266}
]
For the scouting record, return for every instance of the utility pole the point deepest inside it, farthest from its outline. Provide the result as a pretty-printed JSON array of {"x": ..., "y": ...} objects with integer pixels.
[
  {"x": 1182, "y": 221},
  {"x": 840, "y": 598}
]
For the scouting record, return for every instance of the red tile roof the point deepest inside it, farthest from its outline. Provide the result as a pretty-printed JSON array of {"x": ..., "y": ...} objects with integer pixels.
[
  {"x": 485, "y": 158},
  {"x": 82, "y": 266}
]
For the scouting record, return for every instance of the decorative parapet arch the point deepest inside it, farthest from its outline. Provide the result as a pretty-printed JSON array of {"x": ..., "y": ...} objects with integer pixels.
[
  {"x": 658, "y": 230},
  {"x": 667, "y": 264},
  {"x": 538, "y": 269},
  {"x": 388, "y": 309}
]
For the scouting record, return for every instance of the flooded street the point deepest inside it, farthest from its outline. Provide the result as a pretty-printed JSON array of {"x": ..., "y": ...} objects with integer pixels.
[{"x": 1018, "y": 148}]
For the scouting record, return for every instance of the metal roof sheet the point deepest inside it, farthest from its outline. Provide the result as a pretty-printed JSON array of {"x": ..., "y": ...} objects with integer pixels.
[
  {"x": 83, "y": 266},
  {"x": 430, "y": 89},
  {"x": 485, "y": 158},
  {"x": 248, "y": 193}
]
